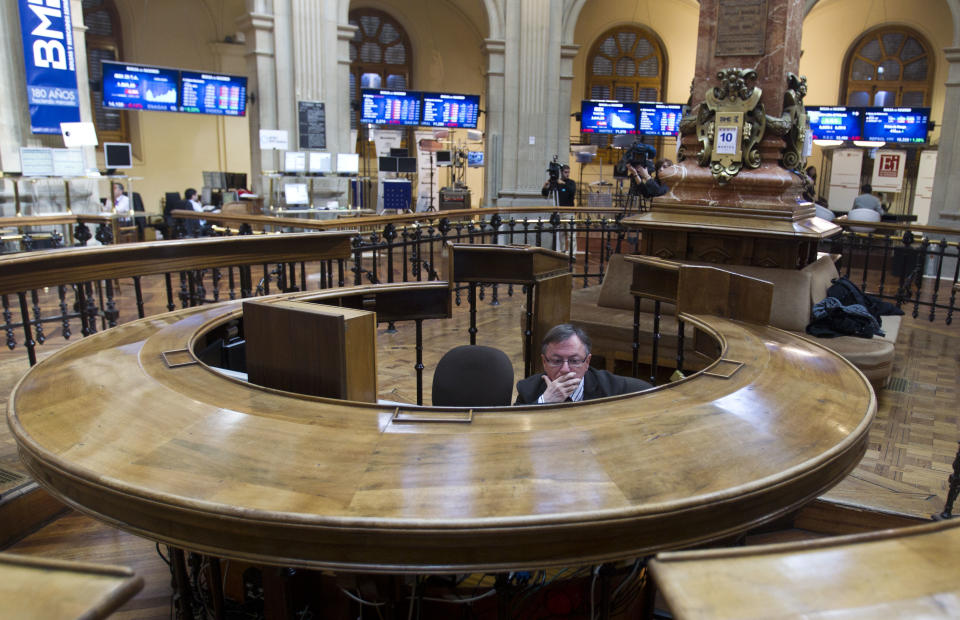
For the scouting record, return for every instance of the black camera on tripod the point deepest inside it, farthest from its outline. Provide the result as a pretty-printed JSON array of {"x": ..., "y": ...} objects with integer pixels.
[
  {"x": 553, "y": 169},
  {"x": 639, "y": 154}
]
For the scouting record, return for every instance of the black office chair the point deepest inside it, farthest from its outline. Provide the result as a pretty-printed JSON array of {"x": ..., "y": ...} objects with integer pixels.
[
  {"x": 140, "y": 221},
  {"x": 473, "y": 376}
]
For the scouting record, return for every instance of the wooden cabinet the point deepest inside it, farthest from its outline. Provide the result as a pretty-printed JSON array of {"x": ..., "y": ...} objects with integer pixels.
[{"x": 311, "y": 348}]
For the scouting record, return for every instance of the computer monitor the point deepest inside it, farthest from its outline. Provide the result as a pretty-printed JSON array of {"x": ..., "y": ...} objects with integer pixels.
[
  {"x": 398, "y": 152},
  {"x": 388, "y": 164},
  {"x": 294, "y": 162},
  {"x": 348, "y": 163},
  {"x": 474, "y": 159},
  {"x": 228, "y": 195},
  {"x": 117, "y": 155},
  {"x": 406, "y": 164},
  {"x": 320, "y": 163},
  {"x": 444, "y": 158}
]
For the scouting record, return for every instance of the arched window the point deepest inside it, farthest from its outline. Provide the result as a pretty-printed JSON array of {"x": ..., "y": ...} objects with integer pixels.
[
  {"x": 104, "y": 42},
  {"x": 379, "y": 55},
  {"x": 625, "y": 64},
  {"x": 890, "y": 66}
]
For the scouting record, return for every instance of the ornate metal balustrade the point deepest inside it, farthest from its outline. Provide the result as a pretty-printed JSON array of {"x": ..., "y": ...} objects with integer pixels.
[{"x": 915, "y": 267}]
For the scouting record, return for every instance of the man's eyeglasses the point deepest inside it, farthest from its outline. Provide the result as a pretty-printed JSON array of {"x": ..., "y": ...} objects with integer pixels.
[{"x": 573, "y": 362}]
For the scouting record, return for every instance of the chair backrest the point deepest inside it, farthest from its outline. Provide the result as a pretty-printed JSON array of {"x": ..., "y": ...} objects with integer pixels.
[
  {"x": 473, "y": 376},
  {"x": 824, "y": 213},
  {"x": 862, "y": 215}
]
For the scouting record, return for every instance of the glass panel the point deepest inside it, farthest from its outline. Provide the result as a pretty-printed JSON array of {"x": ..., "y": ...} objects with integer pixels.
[
  {"x": 397, "y": 81},
  {"x": 858, "y": 98},
  {"x": 889, "y": 70},
  {"x": 625, "y": 68},
  {"x": 599, "y": 91},
  {"x": 872, "y": 50},
  {"x": 912, "y": 98},
  {"x": 647, "y": 94},
  {"x": 623, "y": 93},
  {"x": 369, "y": 24},
  {"x": 626, "y": 41},
  {"x": 892, "y": 42},
  {"x": 862, "y": 70},
  {"x": 370, "y": 80},
  {"x": 915, "y": 71},
  {"x": 649, "y": 67},
  {"x": 389, "y": 33},
  {"x": 609, "y": 47},
  {"x": 602, "y": 66},
  {"x": 644, "y": 48},
  {"x": 370, "y": 52},
  {"x": 911, "y": 49},
  {"x": 884, "y": 98},
  {"x": 396, "y": 54}
]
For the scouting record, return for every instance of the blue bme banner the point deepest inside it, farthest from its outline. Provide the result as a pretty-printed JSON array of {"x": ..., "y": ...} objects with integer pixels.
[{"x": 50, "y": 64}]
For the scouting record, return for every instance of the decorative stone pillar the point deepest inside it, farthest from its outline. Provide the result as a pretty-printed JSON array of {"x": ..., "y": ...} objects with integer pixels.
[
  {"x": 946, "y": 180},
  {"x": 258, "y": 29},
  {"x": 494, "y": 49},
  {"x": 530, "y": 100}
]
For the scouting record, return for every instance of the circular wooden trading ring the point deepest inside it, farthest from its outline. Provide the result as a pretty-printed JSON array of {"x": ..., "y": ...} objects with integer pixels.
[{"x": 187, "y": 456}]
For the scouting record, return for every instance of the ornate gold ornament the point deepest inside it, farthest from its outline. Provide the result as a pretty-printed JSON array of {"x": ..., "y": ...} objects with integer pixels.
[
  {"x": 792, "y": 125},
  {"x": 729, "y": 125}
]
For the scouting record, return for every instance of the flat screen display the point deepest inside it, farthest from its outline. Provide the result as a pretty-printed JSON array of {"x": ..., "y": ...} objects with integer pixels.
[
  {"x": 390, "y": 107},
  {"x": 835, "y": 122},
  {"x": 897, "y": 125},
  {"x": 387, "y": 164},
  {"x": 117, "y": 155},
  {"x": 140, "y": 87},
  {"x": 450, "y": 110},
  {"x": 406, "y": 164},
  {"x": 213, "y": 93},
  {"x": 474, "y": 159},
  {"x": 444, "y": 158},
  {"x": 659, "y": 119},
  {"x": 614, "y": 117}
]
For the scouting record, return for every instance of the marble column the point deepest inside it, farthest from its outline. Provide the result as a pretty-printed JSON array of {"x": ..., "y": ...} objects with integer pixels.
[
  {"x": 530, "y": 101},
  {"x": 494, "y": 49},
  {"x": 944, "y": 210},
  {"x": 768, "y": 191}
]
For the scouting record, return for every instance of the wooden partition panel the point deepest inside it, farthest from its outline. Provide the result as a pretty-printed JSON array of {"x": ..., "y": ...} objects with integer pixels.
[{"x": 311, "y": 349}]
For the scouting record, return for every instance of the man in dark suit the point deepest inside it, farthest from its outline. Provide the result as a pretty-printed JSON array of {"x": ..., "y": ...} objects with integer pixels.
[{"x": 565, "y": 354}]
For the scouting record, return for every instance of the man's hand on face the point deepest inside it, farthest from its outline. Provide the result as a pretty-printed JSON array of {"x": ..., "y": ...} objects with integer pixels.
[{"x": 558, "y": 390}]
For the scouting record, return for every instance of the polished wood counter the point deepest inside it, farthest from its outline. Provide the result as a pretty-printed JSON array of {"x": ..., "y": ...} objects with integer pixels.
[
  {"x": 44, "y": 589},
  {"x": 187, "y": 456},
  {"x": 905, "y": 573}
]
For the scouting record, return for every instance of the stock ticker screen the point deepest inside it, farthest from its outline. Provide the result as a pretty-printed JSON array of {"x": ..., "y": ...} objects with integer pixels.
[
  {"x": 213, "y": 93},
  {"x": 897, "y": 125},
  {"x": 390, "y": 107},
  {"x": 659, "y": 119},
  {"x": 140, "y": 87},
  {"x": 450, "y": 110},
  {"x": 614, "y": 117},
  {"x": 835, "y": 122}
]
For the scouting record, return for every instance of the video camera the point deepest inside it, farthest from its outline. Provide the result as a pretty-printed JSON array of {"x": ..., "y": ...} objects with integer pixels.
[
  {"x": 554, "y": 168},
  {"x": 639, "y": 154}
]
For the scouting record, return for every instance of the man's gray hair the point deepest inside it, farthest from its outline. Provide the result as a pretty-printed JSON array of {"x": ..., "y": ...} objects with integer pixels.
[{"x": 561, "y": 333}]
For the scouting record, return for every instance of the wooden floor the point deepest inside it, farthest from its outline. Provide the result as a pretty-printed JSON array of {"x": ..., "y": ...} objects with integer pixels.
[{"x": 905, "y": 470}]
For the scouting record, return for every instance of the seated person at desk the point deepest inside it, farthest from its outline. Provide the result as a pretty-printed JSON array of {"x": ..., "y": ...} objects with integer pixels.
[
  {"x": 566, "y": 361},
  {"x": 866, "y": 200},
  {"x": 121, "y": 203},
  {"x": 191, "y": 201}
]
